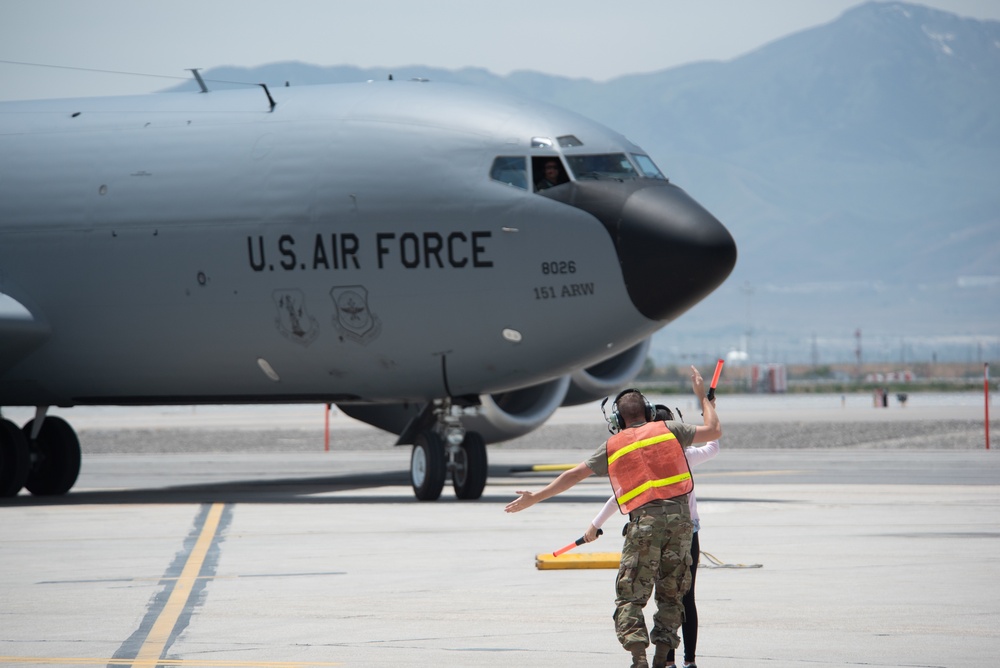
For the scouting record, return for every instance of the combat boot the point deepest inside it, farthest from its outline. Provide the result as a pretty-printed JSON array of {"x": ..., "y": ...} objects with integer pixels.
[{"x": 639, "y": 661}]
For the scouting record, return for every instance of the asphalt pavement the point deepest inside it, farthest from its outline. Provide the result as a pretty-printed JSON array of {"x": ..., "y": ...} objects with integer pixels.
[{"x": 815, "y": 556}]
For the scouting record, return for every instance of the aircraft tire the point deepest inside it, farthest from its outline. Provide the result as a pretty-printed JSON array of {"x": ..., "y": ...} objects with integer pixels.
[
  {"x": 469, "y": 477},
  {"x": 57, "y": 458},
  {"x": 15, "y": 459},
  {"x": 427, "y": 466}
]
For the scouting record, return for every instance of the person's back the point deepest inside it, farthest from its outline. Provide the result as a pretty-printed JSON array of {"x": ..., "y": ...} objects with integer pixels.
[
  {"x": 653, "y": 490},
  {"x": 646, "y": 465},
  {"x": 656, "y": 553}
]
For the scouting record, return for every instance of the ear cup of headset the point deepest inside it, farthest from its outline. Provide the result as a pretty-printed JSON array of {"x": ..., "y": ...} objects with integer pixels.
[{"x": 617, "y": 418}]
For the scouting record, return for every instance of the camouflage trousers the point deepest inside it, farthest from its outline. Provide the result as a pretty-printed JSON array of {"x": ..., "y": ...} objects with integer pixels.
[{"x": 656, "y": 556}]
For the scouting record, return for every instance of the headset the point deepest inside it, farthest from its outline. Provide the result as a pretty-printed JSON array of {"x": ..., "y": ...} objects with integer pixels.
[
  {"x": 616, "y": 422},
  {"x": 661, "y": 409}
]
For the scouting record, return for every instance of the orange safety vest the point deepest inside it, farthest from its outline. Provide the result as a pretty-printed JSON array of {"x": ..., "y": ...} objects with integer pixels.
[{"x": 646, "y": 463}]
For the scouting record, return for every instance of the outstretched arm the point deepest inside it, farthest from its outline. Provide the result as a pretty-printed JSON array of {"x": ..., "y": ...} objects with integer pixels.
[
  {"x": 565, "y": 480},
  {"x": 712, "y": 429}
]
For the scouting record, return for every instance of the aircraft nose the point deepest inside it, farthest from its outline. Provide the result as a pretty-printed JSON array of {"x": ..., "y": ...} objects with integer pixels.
[{"x": 672, "y": 251}]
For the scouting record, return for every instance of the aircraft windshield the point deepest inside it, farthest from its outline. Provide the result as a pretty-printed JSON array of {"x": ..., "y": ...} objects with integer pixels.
[
  {"x": 511, "y": 170},
  {"x": 648, "y": 167},
  {"x": 602, "y": 166}
]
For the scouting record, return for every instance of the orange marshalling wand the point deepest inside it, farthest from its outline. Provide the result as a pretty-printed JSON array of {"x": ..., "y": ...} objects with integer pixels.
[
  {"x": 579, "y": 541},
  {"x": 715, "y": 380}
]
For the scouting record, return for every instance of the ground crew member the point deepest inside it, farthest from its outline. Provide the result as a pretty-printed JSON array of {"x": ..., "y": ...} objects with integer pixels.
[{"x": 651, "y": 480}]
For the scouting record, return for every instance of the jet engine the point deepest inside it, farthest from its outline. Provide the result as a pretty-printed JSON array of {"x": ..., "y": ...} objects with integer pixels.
[
  {"x": 506, "y": 415},
  {"x": 511, "y": 414},
  {"x": 607, "y": 377}
]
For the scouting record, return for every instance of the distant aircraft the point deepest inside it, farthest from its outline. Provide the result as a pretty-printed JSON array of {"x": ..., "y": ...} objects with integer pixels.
[{"x": 380, "y": 246}]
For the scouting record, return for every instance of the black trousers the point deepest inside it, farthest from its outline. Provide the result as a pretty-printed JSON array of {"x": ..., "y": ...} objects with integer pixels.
[{"x": 689, "y": 630}]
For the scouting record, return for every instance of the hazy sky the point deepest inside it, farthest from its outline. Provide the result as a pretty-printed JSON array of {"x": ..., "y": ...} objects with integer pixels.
[{"x": 596, "y": 39}]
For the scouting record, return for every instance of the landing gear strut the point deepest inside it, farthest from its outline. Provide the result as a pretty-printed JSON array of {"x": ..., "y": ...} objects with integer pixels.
[{"x": 445, "y": 449}]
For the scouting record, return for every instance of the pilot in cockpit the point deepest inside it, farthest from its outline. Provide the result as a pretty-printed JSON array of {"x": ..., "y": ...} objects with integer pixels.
[{"x": 552, "y": 175}]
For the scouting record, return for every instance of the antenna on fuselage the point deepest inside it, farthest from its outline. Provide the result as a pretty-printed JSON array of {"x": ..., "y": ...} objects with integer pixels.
[
  {"x": 269, "y": 98},
  {"x": 197, "y": 77}
]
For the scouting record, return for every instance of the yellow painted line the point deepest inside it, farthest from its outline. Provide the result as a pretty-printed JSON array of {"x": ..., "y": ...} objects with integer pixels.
[
  {"x": 552, "y": 467},
  {"x": 546, "y": 562},
  {"x": 151, "y": 650},
  {"x": 149, "y": 654},
  {"x": 80, "y": 661}
]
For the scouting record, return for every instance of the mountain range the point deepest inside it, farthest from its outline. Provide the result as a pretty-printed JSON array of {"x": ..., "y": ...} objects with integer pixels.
[{"x": 857, "y": 165}]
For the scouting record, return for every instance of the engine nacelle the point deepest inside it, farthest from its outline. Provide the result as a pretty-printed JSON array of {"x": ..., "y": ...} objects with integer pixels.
[
  {"x": 506, "y": 415},
  {"x": 501, "y": 416},
  {"x": 608, "y": 377}
]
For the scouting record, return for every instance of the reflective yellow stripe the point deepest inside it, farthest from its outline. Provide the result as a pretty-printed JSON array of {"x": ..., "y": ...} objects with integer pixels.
[
  {"x": 663, "y": 482},
  {"x": 641, "y": 444}
]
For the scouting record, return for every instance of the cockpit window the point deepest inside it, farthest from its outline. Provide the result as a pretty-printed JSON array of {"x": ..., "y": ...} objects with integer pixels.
[
  {"x": 648, "y": 167},
  {"x": 602, "y": 166},
  {"x": 548, "y": 171},
  {"x": 512, "y": 170}
]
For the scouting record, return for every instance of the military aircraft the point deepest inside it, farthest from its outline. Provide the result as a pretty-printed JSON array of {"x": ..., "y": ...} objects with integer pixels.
[{"x": 390, "y": 247}]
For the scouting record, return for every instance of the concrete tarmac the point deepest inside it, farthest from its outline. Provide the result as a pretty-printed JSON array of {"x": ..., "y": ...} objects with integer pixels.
[{"x": 829, "y": 557}]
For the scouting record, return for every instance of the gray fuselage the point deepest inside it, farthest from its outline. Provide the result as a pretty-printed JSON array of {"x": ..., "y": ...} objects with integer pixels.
[{"x": 354, "y": 244}]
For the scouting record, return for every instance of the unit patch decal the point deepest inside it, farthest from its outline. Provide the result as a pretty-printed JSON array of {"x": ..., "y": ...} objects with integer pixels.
[
  {"x": 353, "y": 318},
  {"x": 293, "y": 320}
]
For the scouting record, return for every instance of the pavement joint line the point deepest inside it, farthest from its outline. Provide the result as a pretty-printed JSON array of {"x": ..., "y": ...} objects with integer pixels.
[{"x": 738, "y": 474}]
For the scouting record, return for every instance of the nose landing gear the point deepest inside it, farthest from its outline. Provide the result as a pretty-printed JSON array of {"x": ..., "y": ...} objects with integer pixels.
[{"x": 447, "y": 449}]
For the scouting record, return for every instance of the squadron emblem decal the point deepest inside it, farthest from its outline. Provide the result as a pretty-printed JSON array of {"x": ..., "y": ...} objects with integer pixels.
[
  {"x": 354, "y": 319},
  {"x": 293, "y": 320}
]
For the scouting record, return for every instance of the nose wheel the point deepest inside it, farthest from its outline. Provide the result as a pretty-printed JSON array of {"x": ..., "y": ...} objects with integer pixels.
[
  {"x": 432, "y": 460},
  {"x": 468, "y": 475},
  {"x": 427, "y": 466}
]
